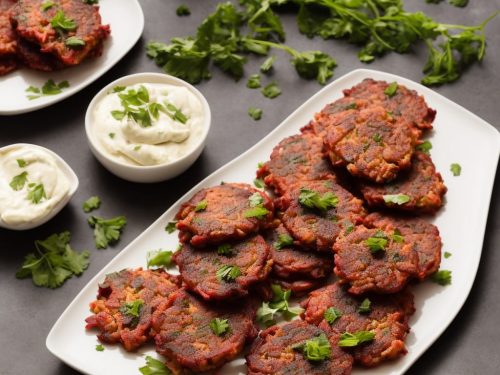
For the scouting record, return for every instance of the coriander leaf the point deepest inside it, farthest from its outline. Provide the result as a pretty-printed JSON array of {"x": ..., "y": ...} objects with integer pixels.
[
  {"x": 447, "y": 254},
  {"x": 376, "y": 243},
  {"x": 159, "y": 258},
  {"x": 201, "y": 206},
  {"x": 49, "y": 88},
  {"x": 397, "y": 237},
  {"x": 259, "y": 183},
  {"x": 456, "y": 169},
  {"x": 174, "y": 113},
  {"x": 228, "y": 273},
  {"x": 90, "y": 2},
  {"x": 225, "y": 249},
  {"x": 314, "y": 64},
  {"x": 253, "y": 81},
  {"x": 91, "y": 204},
  {"x": 133, "y": 308},
  {"x": 391, "y": 90},
  {"x": 257, "y": 212},
  {"x": 312, "y": 199},
  {"x": 36, "y": 193},
  {"x": 331, "y": 315},
  {"x": 354, "y": 339},
  {"x": 265, "y": 314},
  {"x": 316, "y": 349},
  {"x": 459, "y": 3},
  {"x": 271, "y": 91},
  {"x": 154, "y": 367},
  {"x": 119, "y": 88},
  {"x": 183, "y": 10},
  {"x": 46, "y": 5},
  {"x": 111, "y": 135},
  {"x": 255, "y": 200},
  {"x": 61, "y": 23},
  {"x": 255, "y": 113},
  {"x": 365, "y": 306},
  {"x": 442, "y": 277},
  {"x": 18, "y": 182},
  {"x": 106, "y": 231},
  {"x": 284, "y": 240},
  {"x": 99, "y": 348},
  {"x": 267, "y": 65},
  {"x": 219, "y": 326},
  {"x": 74, "y": 42},
  {"x": 425, "y": 147},
  {"x": 171, "y": 227},
  {"x": 398, "y": 199},
  {"x": 279, "y": 303},
  {"x": 21, "y": 163}
]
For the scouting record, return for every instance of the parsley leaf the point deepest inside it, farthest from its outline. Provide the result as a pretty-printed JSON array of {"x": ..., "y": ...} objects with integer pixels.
[
  {"x": 398, "y": 199},
  {"x": 91, "y": 204},
  {"x": 132, "y": 309},
  {"x": 271, "y": 91},
  {"x": 54, "y": 262},
  {"x": 159, "y": 258},
  {"x": 219, "y": 326},
  {"x": 354, "y": 339},
  {"x": 18, "y": 182},
  {"x": 316, "y": 349},
  {"x": 253, "y": 81},
  {"x": 154, "y": 367},
  {"x": 259, "y": 183},
  {"x": 447, "y": 254},
  {"x": 257, "y": 212},
  {"x": 279, "y": 303},
  {"x": 267, "y": 65},
  {"x": 106, "y": 231},
  {"x": 425, "y": 147},
  {"x": 397, "y": 237},
  {"x": 21, "y": 163},
  {"x": 331, "y": 315},
  {"x": 377, "y": 243},
  {"x": 183, "y": 10},
  {"x": 99, "y": 348},
  {"x": 365, "y": 306},
  {"x": 36, "y": 192},
  {"x": 456, "y": 169},
  {"x": 201, "y": 206},
  {"x": 225, "y": 249},
  {"x": 61, "y": 23},
  {"x": 255, "y": 113},
  {"x": 312, "y": 199},
  {"x": 171, "y": 227},
  {"x": 228, "y": 273},
  {"x": 442, "y": 277},
  {"x": 391, "y": 90},
  {"x": 49, "y": 88},
  {"x": 284, "y": 240}
]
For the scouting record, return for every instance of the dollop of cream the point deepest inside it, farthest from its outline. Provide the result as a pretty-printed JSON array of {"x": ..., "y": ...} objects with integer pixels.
[
  {"x": 164, "y": 141},
  {"x": 38, "y": 167}
]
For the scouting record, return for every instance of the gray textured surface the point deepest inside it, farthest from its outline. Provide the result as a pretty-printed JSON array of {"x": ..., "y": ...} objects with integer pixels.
[{"x": 468, "y": 346}]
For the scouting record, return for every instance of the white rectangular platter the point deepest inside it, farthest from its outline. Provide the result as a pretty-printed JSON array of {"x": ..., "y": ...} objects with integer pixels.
[
  {"x": 126, "y": 20},
  {"x": 459, "y": 137}
]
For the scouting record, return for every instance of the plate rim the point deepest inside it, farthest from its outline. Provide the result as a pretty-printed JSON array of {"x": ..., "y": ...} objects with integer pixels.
[
  {"x": 365, "y": 73},
  {"x": 68, "y": 93}
]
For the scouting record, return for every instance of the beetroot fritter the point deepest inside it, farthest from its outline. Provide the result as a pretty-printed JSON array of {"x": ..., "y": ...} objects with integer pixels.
[
  {"x": 423, "y": 235},
  {"x": 273, "y": 353},
  {"x": 125, "y": 302},
  {"x": 182, "y": 332},
  {"x": 422, "y": 184},
  {"x": 296, "y": 158},
  {"x": 387, "y": 317},
  {"x": 403, "y": 103},
  {"x": 314, "y": 228},
  {"x": 371, "y": 143},
  {"x": 7, "y": 36},
  {"x": 29, "y": 55},
  {"x": 372, "y": 260},
  {"x": 290, "y": 261},
  {"x": 33, "y": 23},
  {"x": 298, "y": 287},
  {"x": 223, "y": 213},
  {"x": 201, "y": 268},
  {"x": 7, "y": 65}
]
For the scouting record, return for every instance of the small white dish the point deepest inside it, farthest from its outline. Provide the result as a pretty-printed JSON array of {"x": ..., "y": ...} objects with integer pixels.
[
  {"x": 153, "y": 173},
  {"x": 126, "y": 20},
  {"x": 67, "y": 171}
]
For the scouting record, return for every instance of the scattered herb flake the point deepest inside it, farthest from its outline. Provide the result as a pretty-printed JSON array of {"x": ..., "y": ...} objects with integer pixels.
[
  {"x": 18, "y": 182},
  {"x": 447, "y": 254},
  {"x": 228, "y": 273},
  {"x": 21, "y": 163},
  {"x": 376, "y": 243},
  {"x": 312, "y": 199},
  {"x": 49, "y": 88},
  {"x": 201, "y": 206},
  {"x": 255, "y": 113},
  {"x": 253, "y": 81},
  {"x": 159, "y": 258},
  {"x": 354, "y": 339},
  {"x": 279, "y": 303},
  {"x": 99, "y": 348},
  {"x": 259, "y": 183},
  {"x": 425, "y": 147},
  {"x": 456, "y": 169},
  {"x": 442, "y": 277},
  {"x": 331, "y": 315},
  {"x": 61, "y": 23},
  {"x": 271, "y": 91},
  {"x": 365, "y": 306},
  {"x": 171, "y": 227},
  {"x": 257, "y": 212},
  {"x": 219, "y": 326},
  {"x": 74, "y": 42},
  {"x": 46, "y": 5},
  {"x": 391, "y": 90},
  {"x": 267, "y": 65},
  {"x": 36, "y": 192},
  {"x": 91, "y": 204},
  {"x": 225, "y": 249},
  {"x": 255, "y": 200},
  {"x": 284, "y": 240},
  {"x": 183, "y": 10},
  {"x": 316, "y": 349},
  {"x": 106, "y": 231},
  {"x": 154, "y": 367},
  {"x": 398, "y": 199}
]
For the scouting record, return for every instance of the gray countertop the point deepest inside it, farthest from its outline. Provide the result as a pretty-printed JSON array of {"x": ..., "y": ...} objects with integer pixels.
[{"x": 469, "y": 344}]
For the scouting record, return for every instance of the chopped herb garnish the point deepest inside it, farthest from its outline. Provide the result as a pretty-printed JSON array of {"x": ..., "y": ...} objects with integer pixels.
[
  {"x": 255, "y": 113},
  {"x": 137, "y": 148},
  {"x": 111, "y": 135},
  {"x": 18, "y": 182},
  {"x": 201, "y": 206},
  {"x": 61, "y": 23},
  {"x": 257, "y": 212},
  {"x": 173, "y": 112},
  {"x": 354, "y": 339},
  {"x": 74, "y": 42},
  {"x": 312, "y": 199},
  {"x": 106, "y": 231},
  {"x": 377, "y": 138},
  {"x": 91, "y": 2},
  {"x": 390, "y": 91},
  {"x": 397, "y": 237},
  {"x": 171, "y": 227},
  {"x": 225, "y": 249},
  {"x": 259, "y": 183},
  {"x": 255, "y": 200},
  {"x": 159, "y": 258},
  {"x": 183, "y": 10},
  {"x": 365, "y": 306},
  {"x": 46, "y": 5},
  {"x": 447, "y": 254},
  {"x": 284, "y": 240},
  {"x": 253, "y": 81},
  {"x": 279, "y": 303},
  {"x": 91, "y": 204},
  {"x": 377, "y": 243},
  {"x": 456, "y": 169},
  {"x": 49, "y": 88},
  {"x": 132, "y": 308},
  {"x": 267, "y": 65},
  {"x": 398, "y": 199},
  {"x": 54, "y": 261},
  {"x": 331, "y": 315},
  {"x": 119, "y": 88},
  {"x": 228, "y": 273},
  {"x": 21, "y": 163},
  {"x": 99, "y": 348},
  {"x": 219, "y": 326},
  {"x": 425, "y": 147},
  {"x": 154, "y": 367},
  {"x": 442, "y": 277},
  {"x": 36, "y": 192},
  {"x": 316, "y": 349},
  {"x": 271, "y": 91}
]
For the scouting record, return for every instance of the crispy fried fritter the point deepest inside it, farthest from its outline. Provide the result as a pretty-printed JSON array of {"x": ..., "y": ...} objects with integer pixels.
[{"x": 8, "y": 42}]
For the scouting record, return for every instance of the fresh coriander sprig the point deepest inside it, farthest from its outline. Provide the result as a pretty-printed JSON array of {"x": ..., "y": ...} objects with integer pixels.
[
  {"x": 279, "y": 303},
  {"x": 106, "y": 231},
  {"x": 316, "y": 349},
  {"x": 49, "y": 88}
]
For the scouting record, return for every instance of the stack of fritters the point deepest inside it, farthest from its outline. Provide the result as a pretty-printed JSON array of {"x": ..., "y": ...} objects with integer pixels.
[{"x": 49, "y": 35}]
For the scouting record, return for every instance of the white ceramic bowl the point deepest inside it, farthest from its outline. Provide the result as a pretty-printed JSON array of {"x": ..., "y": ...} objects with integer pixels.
[
  {"x": 73, "y": 186},
  {"x": 154, "y": 173}
]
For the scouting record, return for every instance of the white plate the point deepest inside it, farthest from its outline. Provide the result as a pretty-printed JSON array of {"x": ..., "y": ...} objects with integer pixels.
[
  {"x": 127, "y": 23},
  {"x": 459, "y": 137}
]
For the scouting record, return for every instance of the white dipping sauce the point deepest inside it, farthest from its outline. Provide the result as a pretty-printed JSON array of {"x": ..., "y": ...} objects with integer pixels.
[
  {"x": 164, "y": 141},
  {"x": 31, "y": 185}
]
